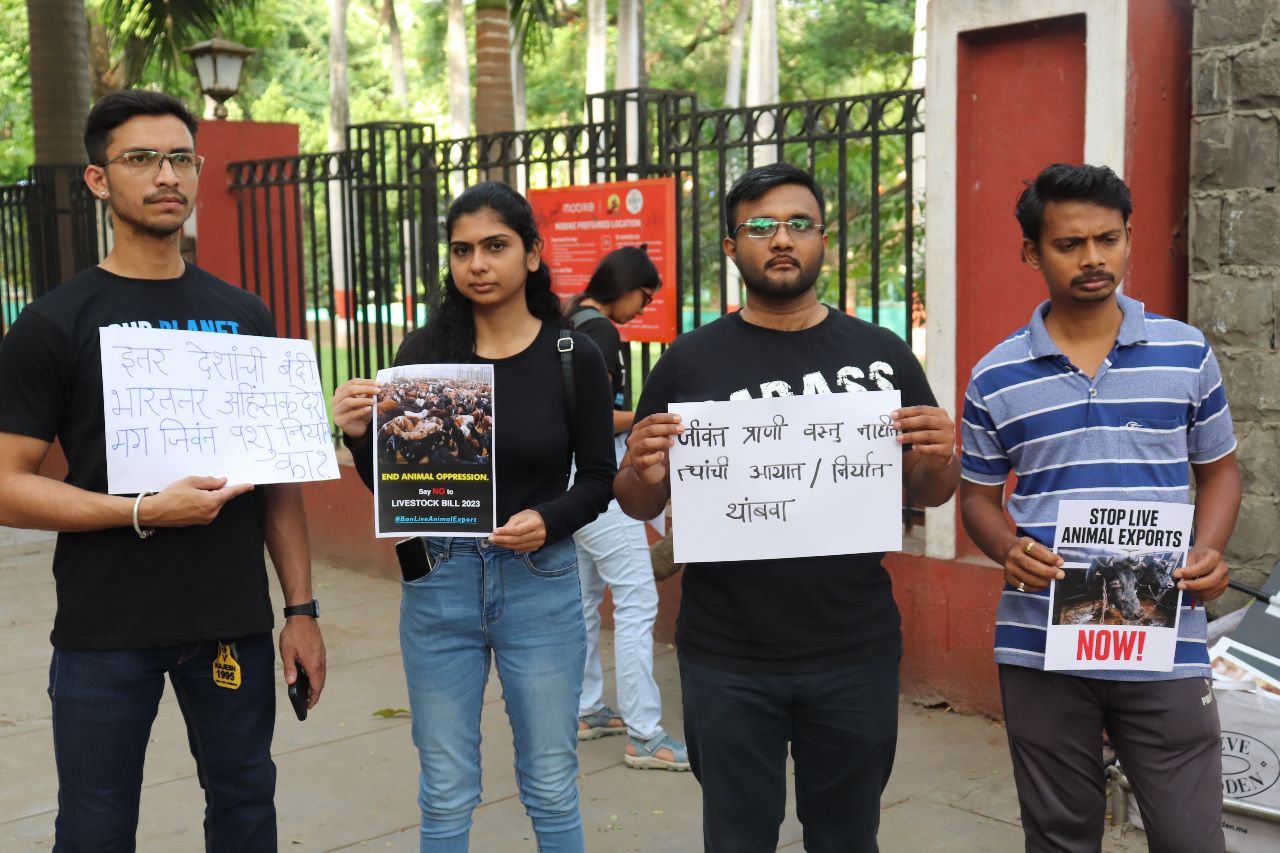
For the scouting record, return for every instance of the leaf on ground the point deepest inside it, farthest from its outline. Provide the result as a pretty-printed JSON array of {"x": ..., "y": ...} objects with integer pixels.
[{"x": 388, "y": 713}]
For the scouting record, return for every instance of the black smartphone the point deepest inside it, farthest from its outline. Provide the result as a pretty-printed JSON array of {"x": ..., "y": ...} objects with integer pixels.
[
  {"x": 415, "y": 561},
  {"x": 300, "y": 693}
]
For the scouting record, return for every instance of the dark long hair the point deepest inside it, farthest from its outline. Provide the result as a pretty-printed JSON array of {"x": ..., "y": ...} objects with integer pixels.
[
  {"x": 450, "y": 336},
  {"x": 619, "y": 273}
]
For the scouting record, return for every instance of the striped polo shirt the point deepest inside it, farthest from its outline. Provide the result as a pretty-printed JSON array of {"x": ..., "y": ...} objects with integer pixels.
[{"x": 1127, "y": 434}]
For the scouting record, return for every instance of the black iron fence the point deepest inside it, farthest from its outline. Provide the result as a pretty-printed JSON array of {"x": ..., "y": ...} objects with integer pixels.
[
  {"x": 350, "y": 245},
  {"x": 346, "y": 247},
  {"x": 51, "y": 226}
]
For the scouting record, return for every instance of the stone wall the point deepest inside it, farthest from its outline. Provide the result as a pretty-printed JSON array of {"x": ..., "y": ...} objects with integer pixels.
[{"x": 1235, "y": 249}]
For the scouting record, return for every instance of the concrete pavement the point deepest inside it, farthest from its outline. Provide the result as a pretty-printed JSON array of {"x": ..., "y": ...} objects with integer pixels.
[{"x": 348, "y": 778}]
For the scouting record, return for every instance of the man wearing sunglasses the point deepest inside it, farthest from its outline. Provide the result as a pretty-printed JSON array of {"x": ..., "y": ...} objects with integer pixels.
[
  {"x": 157, "y": 584},
  {"x": 804, "y": 650}
]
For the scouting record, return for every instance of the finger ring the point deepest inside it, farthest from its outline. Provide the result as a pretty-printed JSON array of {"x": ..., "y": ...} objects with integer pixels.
[
  {"x": 1026, "y": 549},
  {"x": 1022, "y": 587}
]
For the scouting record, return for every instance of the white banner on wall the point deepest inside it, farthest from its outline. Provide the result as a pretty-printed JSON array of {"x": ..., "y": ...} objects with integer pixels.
[
  {"x": 244, "y": 407},
  {"x": 779, "y": 477}
]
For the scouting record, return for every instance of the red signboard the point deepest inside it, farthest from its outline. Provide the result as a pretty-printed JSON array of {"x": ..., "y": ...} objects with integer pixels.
[{"x": 580, "y": 225}]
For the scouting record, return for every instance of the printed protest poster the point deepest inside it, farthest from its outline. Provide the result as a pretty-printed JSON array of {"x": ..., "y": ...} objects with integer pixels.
[
  {"x": 582, "y": 224},
  {"x": 779, "y": 477},
  {"x": 433, "y": 451},
  {"x": 179, "y": 403},
  {"x": 1118, "y": 606},
  {"x": 1232, "y": 661}
]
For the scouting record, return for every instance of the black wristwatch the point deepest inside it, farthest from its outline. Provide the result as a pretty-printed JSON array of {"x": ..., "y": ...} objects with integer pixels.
[{"x": 311, "y": 608}]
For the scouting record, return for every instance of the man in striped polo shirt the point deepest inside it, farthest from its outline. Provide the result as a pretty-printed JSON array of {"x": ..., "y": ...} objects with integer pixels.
[{"x": 1097, "y": 399}]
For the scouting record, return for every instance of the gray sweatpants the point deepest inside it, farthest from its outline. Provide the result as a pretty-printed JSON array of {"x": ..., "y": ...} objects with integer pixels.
[{"x": 1165, "y": 734}]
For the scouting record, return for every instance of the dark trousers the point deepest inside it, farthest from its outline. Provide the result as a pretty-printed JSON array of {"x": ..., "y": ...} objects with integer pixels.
[
  {"x": 103, "y": 706},
  {"x": 843, "y": 729},
  {"x": 1165, "y": 734}
]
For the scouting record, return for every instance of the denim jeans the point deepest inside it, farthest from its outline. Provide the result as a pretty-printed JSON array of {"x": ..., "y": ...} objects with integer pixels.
[
  {"x": 842, "y": 725},
  {"x": 614, "y": 550},
  {"x": 484, "y": 603},
  {"x": 103, "y": 706}
]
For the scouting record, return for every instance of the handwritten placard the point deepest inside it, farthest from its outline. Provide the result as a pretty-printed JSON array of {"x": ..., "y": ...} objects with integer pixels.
[
  {"x": 1118, "y": 606},
  {"x": 785, "y": 477},
  {"x": 243, "y": 407}
]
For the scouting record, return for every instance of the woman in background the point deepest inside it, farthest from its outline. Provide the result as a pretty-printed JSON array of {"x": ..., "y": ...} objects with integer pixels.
[{"x": 613, "y": 549}]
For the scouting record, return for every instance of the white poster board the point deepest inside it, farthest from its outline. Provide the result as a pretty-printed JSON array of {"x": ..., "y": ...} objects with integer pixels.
[
  {"x": 1119, "y": 604},
  {"x": 780, "y": 477},
  {"x": 244, "y": 407}
]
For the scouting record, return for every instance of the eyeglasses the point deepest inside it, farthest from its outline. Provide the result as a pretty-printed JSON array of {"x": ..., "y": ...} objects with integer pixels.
[
  {"x": 762, "y": 227},
  {"x": 648, "y": 297},
  {"x": 185, "y": 164}
]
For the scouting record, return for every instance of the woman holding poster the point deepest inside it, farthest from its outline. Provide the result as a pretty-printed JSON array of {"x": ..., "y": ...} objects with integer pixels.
[
  {"x": 613, "y": 550},
  {"x": 512, "y": 596}
]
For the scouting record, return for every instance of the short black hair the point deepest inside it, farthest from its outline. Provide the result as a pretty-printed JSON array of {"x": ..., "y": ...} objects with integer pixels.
[
  {"x": 115, "y": 109},
  {"x": 1066, "y": 182},
  {"x": 756, "y": 182}
]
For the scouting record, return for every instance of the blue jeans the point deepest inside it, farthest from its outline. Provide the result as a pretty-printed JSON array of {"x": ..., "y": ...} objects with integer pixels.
[
  {"x": 103, "y": 706},
  {"x": 525, "y": 609}
]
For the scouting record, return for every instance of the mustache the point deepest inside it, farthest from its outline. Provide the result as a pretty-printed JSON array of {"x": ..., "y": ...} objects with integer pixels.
[
  {"x": 1088, "y": 277},
  {"x": 166, "y": 195},
  {"x": 782, "y": 258}
]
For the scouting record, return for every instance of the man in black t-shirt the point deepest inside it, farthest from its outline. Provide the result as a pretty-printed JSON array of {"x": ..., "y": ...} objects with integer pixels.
[
  {"x": 802, "y": 650},
  {"x": 166, "y": 583}
]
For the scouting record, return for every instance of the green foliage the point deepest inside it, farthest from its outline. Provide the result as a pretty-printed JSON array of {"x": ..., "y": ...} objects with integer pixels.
[
  {"x": 149, "y": 35},
  {"x": 827, "y": 48},
  {"x": 17, "y": 143}
]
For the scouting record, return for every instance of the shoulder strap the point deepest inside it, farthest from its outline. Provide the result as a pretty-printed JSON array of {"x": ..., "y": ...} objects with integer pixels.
[
  {"x": 565, "y": 345},
  {"x": 585, "y": 315}
]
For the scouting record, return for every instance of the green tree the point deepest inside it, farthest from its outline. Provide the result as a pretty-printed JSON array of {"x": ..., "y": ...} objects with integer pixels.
[
  {"x": 145, "y": 38},
  {"x": 16, "y": 134}
]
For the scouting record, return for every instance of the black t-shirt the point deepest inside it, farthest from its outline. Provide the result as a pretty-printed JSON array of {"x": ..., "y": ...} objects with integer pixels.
[
  {"x": 606, "y": 338},
  {"x": 531, "y": 448},
  {"x": 114, "y": 590},
  {"x": 800, "y": 615}
]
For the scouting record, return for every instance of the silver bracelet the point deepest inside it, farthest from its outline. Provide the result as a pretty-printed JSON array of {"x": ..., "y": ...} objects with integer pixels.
[{"x": 143, "y": 532}]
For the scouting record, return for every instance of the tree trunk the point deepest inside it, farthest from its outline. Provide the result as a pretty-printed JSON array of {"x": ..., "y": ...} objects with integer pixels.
[
  {"x": 762, "y": 69},
  {"x": 339, "y": 111},
  {"x": 520, "y": 108},
  {"x": 459, "y": 72},
  {"x": 597, "y": 46},
  {"x": 762, "y": 74},
  {"x": 737, "y": 35},
  {"x": 339, "y": 117},
  {"x": 59, "y": 38},
  {"x": 626, "y": 73},
  {"x": 399, "y": 83},
  {"x": 495, "y": 111}
]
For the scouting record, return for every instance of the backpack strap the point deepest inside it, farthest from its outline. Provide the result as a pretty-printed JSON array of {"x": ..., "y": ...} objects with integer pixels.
[
  {"x": 565, "y": 346},
  {"x": 585, "y": 315}
]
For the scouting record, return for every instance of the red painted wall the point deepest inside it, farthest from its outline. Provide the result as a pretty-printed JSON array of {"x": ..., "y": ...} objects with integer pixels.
[
  {"x": 948, "y": 630},
  {"x": 218, "y": 237},
  {"x": 1020, "y": 94},
  {"x": 1157, "y": 152}
]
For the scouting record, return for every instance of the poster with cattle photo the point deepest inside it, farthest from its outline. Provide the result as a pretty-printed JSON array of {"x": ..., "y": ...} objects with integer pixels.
[
  {"x": 1118, "y": 606},
  {"x": 433, "y": 451}
]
